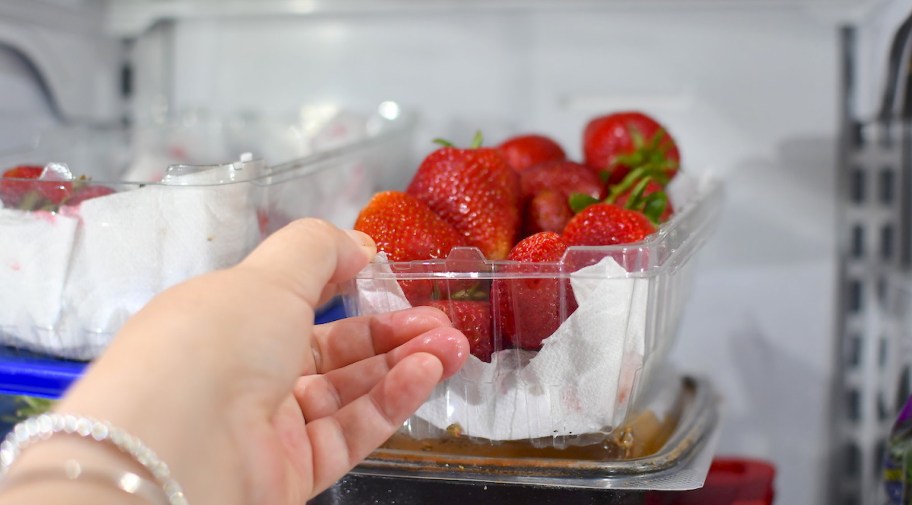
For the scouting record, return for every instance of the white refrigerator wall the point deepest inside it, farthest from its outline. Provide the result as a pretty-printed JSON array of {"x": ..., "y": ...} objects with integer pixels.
[{"x": 749, "y": 89}]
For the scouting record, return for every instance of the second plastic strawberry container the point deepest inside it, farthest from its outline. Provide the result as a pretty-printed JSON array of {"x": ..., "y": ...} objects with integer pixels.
[
  {"x": 579, "y": 363},
  {"x": 71, "y": 272}
]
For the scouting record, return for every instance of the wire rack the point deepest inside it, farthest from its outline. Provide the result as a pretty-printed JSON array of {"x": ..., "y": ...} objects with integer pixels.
[{"x": 873, "y": 366}]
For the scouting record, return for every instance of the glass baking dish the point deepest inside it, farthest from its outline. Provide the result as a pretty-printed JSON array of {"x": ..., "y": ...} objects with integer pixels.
[{"x": 679, "y": 460}]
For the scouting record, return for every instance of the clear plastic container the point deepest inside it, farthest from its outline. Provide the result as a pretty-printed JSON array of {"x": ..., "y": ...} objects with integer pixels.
[
  {"x": 610, "y": 318},
  {"x": 72, "y": 272}
]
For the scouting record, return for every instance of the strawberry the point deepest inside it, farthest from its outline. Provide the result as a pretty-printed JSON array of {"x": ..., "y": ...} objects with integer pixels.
[
  {"x": 546, "y": 211},
  {"x": 21, "y": 188},
  {"x": 475, "y": 191},
  {"x": 566, "y": 177},
  {"x": 407, "y": 230},
  {"x": 617, "y": 143},
  {"x": 607, "y": 224},
  {"x": 531, "y": 308},
  {"x": 525, "y": 151},
  {"x": 546, "y": 189},
  {"x": 473, "y": 319},
  {"x": 85, "y": 192}
]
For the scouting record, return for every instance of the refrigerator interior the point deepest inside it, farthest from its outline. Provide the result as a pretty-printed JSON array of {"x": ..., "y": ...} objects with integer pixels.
[{"x": 753, "y": 91}]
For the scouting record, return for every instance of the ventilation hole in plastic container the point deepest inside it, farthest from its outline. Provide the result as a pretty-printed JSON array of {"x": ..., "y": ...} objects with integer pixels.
[
  {"x": 882, "y": 290},
  {"x": 857, "y": 241},
  {"x": 855, "y": 296},
  {"x": 882, "y": 352},
  {"x": 886, "y": 185},
  {"x": 853, "y": 351},
  {"x": 852, "y": 459},
  {"x": 879, "y": 452},
  {"x": 903, "y": 391},
  {"x": 853, "y": 405},
  {"x": 883, "y": 412},
  {"x": 857, "y": 133},
  {"x": 885, "y": 137},
  {"x": 886, "y": 242},
  {"x": 850, "y": 499},
  {"x": 856, "y": 185}
]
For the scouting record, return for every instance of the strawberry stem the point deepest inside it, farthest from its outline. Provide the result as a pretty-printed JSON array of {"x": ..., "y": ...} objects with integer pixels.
[
  {"x": 472, "y": 293},
  {"x": 636, "y": 194},
  {"x": 652, "y": 152},
  {"x": 627, "y": 182},
  {"x": 477, "y": 140}
]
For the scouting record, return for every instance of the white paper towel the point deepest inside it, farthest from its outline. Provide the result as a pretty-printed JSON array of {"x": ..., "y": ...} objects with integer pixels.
[
  {"x": 133, "y": 245},
  {"x": 80, "y": 273},
  {"x": 579, "y": 382},
  {"x": 35, "y": 250}
]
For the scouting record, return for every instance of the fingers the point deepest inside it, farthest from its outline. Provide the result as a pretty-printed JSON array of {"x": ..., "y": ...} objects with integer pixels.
[
  {"x": 322, "y": 395},
  {"x": 308, "y": 254},
  {"x": 345, "y": 438},
  {"x": 350, "y": 340}
]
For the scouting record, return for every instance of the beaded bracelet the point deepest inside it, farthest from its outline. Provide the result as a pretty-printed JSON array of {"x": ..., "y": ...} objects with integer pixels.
[
  {"x": 72, "y": 470},
  {"x": 44, "y": 426}
]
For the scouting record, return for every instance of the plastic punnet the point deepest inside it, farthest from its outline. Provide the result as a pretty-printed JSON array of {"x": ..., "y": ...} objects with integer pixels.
[{"x": 605, "y": 318}]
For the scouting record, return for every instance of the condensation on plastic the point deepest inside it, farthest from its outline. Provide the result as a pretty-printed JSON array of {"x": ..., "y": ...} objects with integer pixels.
[
  {"x": 662, "y": 262},
  {"x": 83, "y": 270}
]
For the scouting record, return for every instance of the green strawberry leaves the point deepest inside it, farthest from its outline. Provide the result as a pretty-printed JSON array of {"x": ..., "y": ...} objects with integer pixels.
[
  {"x": 652, "y": 153},
  {"x": 579, "y": 201},
  {"x": 634, "y": 184},
  {"x": 477, "y": 141}
]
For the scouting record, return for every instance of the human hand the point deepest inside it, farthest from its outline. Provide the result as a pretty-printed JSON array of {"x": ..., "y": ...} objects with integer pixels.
[{"x": 229, "y": 381}]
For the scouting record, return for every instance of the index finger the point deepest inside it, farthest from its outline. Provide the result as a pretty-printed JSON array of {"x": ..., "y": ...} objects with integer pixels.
[{"x": 307, "y": 254}]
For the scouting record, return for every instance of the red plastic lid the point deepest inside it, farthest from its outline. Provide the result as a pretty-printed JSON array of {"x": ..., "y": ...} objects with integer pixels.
[{"x": 731, "y": 481}]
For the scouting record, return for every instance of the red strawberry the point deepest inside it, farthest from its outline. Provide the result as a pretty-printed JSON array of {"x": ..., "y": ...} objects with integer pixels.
[
  {"x": 620, "y": 142},
  {"x": 646, "y": 196},
  {"x": 88, "y": 192},
  {"x": 21, "y": 189},
  {"x": 607, "y": 224},
  {"x": 546, "y": 188},
  {"x": 546, "y": 211},
  {"x": 531, "y": 308},
  {"x": 475, "y": 191},
  {"x": 406, "y": 230},
  {"x": 567, "y": 177},
  {"x": 525, "y": 151},
  {"x": 473, "y": 319}
]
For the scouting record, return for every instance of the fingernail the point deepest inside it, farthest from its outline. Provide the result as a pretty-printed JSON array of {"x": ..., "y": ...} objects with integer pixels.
[{"x": 364, "y": 240}]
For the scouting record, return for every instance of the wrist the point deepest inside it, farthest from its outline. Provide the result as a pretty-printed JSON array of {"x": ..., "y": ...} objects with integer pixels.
[
  {"x": 170, "y": 408},
  {"x": 44, "y": 472}
]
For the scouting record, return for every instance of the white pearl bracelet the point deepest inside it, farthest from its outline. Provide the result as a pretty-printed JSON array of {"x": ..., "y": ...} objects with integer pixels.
[
  {"x": 126, "y": 482},
  {"x": 42, "y": 427}
]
